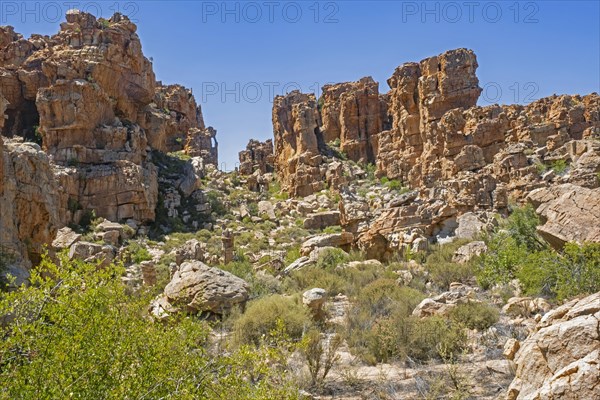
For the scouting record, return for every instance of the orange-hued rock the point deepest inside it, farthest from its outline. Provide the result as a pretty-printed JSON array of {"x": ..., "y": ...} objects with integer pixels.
[
  {"x": 428, "y": 133},
  {"x": 203, "y": 143},
  {"x": 91, "y": 96},
  {"x": 353, "y": 113},
  {"x": 258, "y": 156},
  {"x": 29, "y": 207},
  {"x": 170, "y": 117},
  {"x": 297, "y": 157}
]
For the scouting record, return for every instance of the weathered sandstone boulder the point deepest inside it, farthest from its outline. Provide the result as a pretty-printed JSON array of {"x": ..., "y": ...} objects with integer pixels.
[
  {"x": 470, "y": 250},
  {"x": 560, "y": 360},
  {"x": 570, "y": 213},
  {"x": 322, "y": 220},
  {"x": 442, "y": 304},
  {"x": 341, "y": 240},
  {"x": 196, "y": 287},
  {"x": 315, "y": 300}
]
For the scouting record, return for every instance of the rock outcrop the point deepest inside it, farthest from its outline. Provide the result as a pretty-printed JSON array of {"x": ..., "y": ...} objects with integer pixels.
[
  {"x": 258, "y": 156},
  {"x": 29, "y": 209},
  {"x": 571, "y": 213},
  {"x": 560, "y": 360},
  {"x": 90, "y": 96},
  {"x": 464, "y": 161}
]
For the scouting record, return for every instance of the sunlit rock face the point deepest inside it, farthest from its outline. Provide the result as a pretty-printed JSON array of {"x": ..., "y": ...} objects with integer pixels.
[{"x": 428, "y": 133}]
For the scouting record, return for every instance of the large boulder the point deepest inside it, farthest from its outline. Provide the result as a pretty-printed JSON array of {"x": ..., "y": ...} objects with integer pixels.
[
  {"x": 570, "y": 213},
  {"x": 341, "y": 240},
  {"x": 322, "y": 220},
  {"x": 196, "y": 287},
  {"x": 467, "y": 252},
  {"x": 560, "y": 360}
]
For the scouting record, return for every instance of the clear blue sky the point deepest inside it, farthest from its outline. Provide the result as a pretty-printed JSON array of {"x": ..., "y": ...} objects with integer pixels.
[{"x": 527, "y": 50}]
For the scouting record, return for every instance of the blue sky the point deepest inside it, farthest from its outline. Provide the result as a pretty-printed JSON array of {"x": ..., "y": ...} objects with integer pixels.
[{"x": 236, "y": 55}]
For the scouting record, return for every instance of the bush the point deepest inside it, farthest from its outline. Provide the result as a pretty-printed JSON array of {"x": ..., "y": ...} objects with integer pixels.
[
  {"x": 331, "y": 258},
  {"x": 574, "y": 272},
  {"x": 501, "y": 262},
  {"x": 478, "y": 316},
  {"x": 376, "y": 325},
  {"x": 521, "y": 226},
  {"x": 384, "y": 296},
  {"x": 559, "y": 166},
  {"x": 216, "y": 204},
  {"x": 399, "y": 337},
  {"x": 310, "y": 277},
  {"x": 262, "y": 316},
  {"x": 443, "y": 274},
  {"x": 443, "y": 271},
  {"x": 138, "y": 252},
  {"x": 77, "y": 332}
]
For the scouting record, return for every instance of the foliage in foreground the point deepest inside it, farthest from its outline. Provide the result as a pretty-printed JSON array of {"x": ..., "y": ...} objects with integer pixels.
[{"x": 77, "y": 332}]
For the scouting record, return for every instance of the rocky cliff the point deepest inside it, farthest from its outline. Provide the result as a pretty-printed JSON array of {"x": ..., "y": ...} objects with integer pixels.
[
  {"x": 428, "y": 133},
  {"x": 89, "y": 97}
]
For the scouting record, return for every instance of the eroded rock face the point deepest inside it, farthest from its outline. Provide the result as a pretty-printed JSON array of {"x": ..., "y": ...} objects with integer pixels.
[
  {"x": 571, "y": 213},
  {"x": 29, "y": 209},
  {"x": 203, "y": 143},
  {"x": 91, "y": 96},
  {"x": 258, "y": 156},
  {"x": 465, "y": 161},
  {"x": 560, "y": 359},
  {"x": 354, "y": 113},
  {"x": 296, "y": 124}
]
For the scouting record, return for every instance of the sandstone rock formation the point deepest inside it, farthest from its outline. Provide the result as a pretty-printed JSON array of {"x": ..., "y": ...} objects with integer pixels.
[
  {"x": 29, "y": 209},
  {"x": 560, "y": 360},
  {"x": 470, "y": 250},
  {"x": 341, "y": 240},
  {"x": 445, "y": 302},
  {"x": 91, "y": 97},
  {"x": 427, "y": 132},
  {"x": 322, "y": 220},
  {"x": 258, "y": 156},
  {"x": 571, "y": 213}
]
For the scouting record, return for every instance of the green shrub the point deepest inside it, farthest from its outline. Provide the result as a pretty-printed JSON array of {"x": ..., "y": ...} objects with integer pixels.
[
  {"x": 292, "y": 254},
  {"x": 443, "y": 271},
  {"x": 312, "y": 276},
  {"x": 399, "y": 337},
  {"x": 443, "y": 274},
  {"x": 540, "y": 167},
  {"x": 559, "y": 166},
  {"x": 383, "y": 296},
  {"x": 331, "y": 258},
  {"x": 375, "y": 322},
  {"x": 216, "y": 203},
  {"x": 473, "y": 315},
  {"x": 501, "y": 262},
  {"x": 333, "y": 229},
  {"x": 78, "y": 332},
  {"x": 370, "y": 169},
  {"x": 138, "y": 252},
  {"x": 574, "y": 272},
  {"x": 521, "y": 226},
  {"x": 262, "y": 316}
]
